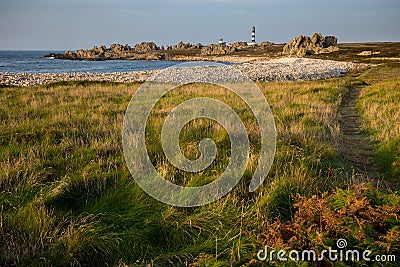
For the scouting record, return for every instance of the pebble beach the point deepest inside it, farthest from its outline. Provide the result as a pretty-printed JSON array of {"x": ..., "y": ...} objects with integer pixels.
[{"x": 281, "y": 69}]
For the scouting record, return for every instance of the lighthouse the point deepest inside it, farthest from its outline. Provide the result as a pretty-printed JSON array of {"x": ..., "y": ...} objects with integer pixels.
[{"x": 253, "y": 35}]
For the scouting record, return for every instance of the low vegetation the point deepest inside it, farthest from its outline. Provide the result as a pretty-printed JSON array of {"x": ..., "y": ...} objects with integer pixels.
[
  {"x": 67, "y": 197},
  {"x": 378, "y": 105}
]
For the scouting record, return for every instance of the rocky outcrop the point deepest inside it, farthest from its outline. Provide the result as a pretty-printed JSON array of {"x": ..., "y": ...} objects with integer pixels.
[
  {"x": 239, "y": 45},
  {"x": 197, "y": 46},
  {"x": 305, "y": 46},
  {"x": 144, "y": 50},
  {"x": 218, "y": 50},
  {"x": 117, "y": 51},
  {"x": 150, "y": 51},
  {"x": 183, "y": 46},
  {"x": 145, "y": 47},
  {"x": 330, "y": 41}
]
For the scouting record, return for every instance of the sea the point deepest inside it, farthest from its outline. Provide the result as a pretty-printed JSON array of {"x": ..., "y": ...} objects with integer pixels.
[{"x": 34, "y": 62}]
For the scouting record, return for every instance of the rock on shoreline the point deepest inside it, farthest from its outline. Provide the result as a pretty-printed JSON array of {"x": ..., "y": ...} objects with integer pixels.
[
  {"x": 144, "y": 50},
  {"x": 301, "y": 46},
  {"x": 150, "y": 51},
  {"x": 141, "y": 51},
  {"x": 282, "y": 69},
  {"x": 305, "y": 46}
]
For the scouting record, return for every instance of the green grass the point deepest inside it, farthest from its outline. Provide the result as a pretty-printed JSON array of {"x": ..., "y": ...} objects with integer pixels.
[
  {"x": 379, "y": 105},
  {"x": 68, "y": 198}
]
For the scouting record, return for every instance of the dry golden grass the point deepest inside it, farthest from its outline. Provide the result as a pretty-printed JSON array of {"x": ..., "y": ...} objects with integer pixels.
[
  {"x": 69, "y": 199},
  {"x": 379, "y": 104}
]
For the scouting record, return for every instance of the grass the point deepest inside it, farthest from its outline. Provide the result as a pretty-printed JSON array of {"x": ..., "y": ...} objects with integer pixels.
[
  {"x": 378, "y": 105},
  {"x": 386, "y": 52},
  {"x": 68, "y": 198}
]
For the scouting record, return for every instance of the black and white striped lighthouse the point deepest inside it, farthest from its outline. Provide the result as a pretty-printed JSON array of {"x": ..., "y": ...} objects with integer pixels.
[{"x": 253, "y": 35}]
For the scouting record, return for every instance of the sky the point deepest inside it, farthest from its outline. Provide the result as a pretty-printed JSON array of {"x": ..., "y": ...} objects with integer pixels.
[{"x": 75, "y": 24}]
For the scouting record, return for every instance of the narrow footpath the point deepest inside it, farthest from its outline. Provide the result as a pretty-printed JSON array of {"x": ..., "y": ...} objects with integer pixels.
[{"x": 355, "y": 146}]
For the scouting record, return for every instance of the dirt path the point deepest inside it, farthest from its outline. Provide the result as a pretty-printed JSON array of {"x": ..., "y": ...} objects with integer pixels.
[{"x": 355, "y": 146}]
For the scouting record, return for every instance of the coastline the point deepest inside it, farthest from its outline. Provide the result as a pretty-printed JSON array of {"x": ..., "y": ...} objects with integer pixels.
[
  {"x": 279, "y": 69},
  {"x": 225, "y": 58}
]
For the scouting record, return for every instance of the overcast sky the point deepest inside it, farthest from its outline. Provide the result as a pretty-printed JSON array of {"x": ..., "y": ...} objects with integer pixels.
[{"x": 74, "y": 24}]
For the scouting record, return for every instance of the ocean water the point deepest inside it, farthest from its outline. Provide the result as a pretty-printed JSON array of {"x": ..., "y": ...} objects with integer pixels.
[{"x": 34, "y": 62}]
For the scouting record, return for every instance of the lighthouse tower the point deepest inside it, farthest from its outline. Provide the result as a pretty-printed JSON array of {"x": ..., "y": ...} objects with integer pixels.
[{"x": 253, "y": 35}]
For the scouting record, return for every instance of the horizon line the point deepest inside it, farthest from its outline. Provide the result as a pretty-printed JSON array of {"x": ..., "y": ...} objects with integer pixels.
[{"x": 71, "y": 49}]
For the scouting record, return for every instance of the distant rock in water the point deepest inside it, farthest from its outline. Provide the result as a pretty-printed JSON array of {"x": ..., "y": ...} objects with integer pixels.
[
  {"x": 305, "y": 46},
  {"x": 144, "y": 50},
  {"x": 150, "y": 51}
]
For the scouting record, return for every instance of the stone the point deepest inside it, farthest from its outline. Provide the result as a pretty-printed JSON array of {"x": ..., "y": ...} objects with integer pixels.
[
  {"x": 80, "y": 53},
  {"x": 280, "y": 69},
  {"x": 145, "y": 47},
  {"x": 330, "y": 41},
  {"x": 181, "y": 46},
  {"x": 197, "y": 46},
  {"x": 368, "y": 53},
  {"x": 305, "y": 46},
  {"x": 239, "y": 45},
  {"x": 317, "y": 40}
]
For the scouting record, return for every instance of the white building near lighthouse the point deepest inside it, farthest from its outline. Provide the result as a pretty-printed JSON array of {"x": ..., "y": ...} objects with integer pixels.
[{"x": 221, "y": 41}]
